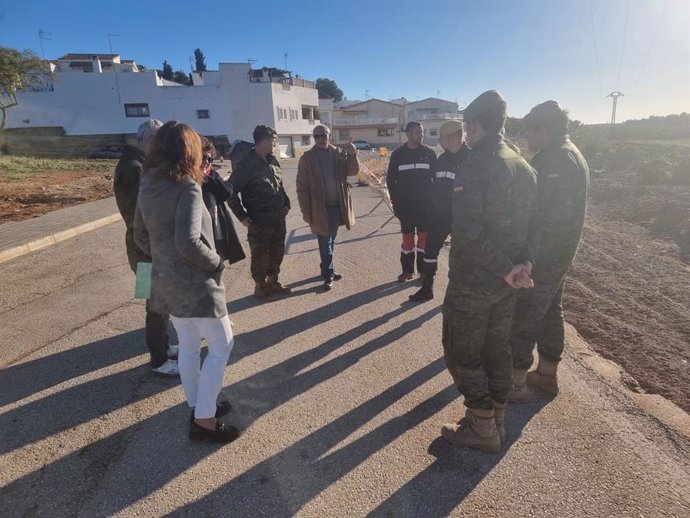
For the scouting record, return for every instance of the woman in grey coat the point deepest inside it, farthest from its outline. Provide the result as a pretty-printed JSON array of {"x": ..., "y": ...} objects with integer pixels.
[{"x": 172, "y": 225}]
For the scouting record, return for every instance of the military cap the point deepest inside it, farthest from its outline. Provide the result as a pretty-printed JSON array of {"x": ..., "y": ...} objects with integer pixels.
[
  {"x": 543, "y": 113},
  {"x": 450, "y": 127},
  {"x": 483, "y": 103},
  {"x": 413, "y": 124}
]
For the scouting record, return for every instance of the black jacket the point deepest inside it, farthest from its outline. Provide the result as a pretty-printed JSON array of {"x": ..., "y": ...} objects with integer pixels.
[
  {"x": 445, "y": 172},
  {"x": 409, "y": 180},
  {"x": 126, "y": 186},
  {"x": 257, "y": 190},
  {"x": 216, "y": 192}
]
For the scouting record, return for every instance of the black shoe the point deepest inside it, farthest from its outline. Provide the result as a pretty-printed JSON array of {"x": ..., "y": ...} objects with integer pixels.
[
  {"x": 405, "y": 276},
  {"x": 328, "y": 284},
  {"x": 422, "y": 295},
  {"x": 222, "y": 408},
  {"x": 337, "y": 276},
  {"x": 223, "y": 433}
]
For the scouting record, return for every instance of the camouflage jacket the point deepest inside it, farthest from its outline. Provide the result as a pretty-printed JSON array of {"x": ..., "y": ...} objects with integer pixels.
[
  {"x": 562, "y": 204},
  {"x": 259, "y": 183},
  {"x": 494, "y": 202}
]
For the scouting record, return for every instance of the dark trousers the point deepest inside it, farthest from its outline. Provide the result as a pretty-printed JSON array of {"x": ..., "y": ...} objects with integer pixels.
[
  {"x": 327, "y": 243},
  {"x": 539, "y": 318},
  {"x": 436, "y": 237},
  {"x": 408, "y": 251},
  {"x": 476, "y": 347},
  {"x": 267, "y": 246},
  {"x": 157, "y": 339}
]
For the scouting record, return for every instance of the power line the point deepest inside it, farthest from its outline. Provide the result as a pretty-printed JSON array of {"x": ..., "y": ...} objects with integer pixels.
[
  {"x": 596, "y": 50},
  {"x": 625, "y": 32},
  {"x": 651, "y": 44}
]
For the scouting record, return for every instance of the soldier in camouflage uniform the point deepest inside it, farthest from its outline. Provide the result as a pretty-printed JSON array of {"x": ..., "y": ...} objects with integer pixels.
[
  {"x": 261, "y": 204},
  {"x": 491, "y": 256},
  {"x": 562, "y": 205}
]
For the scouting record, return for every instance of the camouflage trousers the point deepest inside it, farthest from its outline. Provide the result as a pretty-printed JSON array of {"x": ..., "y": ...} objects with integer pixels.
[
  {"x": 539, "y": 317},
  {"x": 267, "y": 246},
  {"x": 476, "y": 329}
]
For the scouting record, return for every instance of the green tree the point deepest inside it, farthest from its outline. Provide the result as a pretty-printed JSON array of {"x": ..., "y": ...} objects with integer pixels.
[
  {"x": 328, "y": 89},
  {"x": 167, "y": 71},
  {"x": 19, "y": 71},
  {"x": 200, "y": 60},
  {"x": 181, "y": 77}
]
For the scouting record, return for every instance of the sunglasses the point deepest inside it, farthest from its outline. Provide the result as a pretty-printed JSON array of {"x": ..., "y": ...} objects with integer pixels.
[
  {"x": 321, "y": 136},
  {"x": 208, "y": 158}
]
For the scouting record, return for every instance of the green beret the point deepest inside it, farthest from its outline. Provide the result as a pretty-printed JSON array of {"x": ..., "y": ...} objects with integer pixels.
[
  {"x": 542, "y": 114},
  {"x": 484, "y": 103}
]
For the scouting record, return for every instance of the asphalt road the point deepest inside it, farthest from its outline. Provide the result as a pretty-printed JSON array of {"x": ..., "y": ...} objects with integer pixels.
[{"x": 340, "y": 396}]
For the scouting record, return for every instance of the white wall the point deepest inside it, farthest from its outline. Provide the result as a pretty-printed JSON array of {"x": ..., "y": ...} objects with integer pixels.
[{"x": 87, "y": 103}]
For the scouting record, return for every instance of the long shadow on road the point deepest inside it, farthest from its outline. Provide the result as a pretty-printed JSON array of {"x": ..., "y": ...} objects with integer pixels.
[
  {"x": 24, "y": 379},
  {"x": 141, "y": 454}
]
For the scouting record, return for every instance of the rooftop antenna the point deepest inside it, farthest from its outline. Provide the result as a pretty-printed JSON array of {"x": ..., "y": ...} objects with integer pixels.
[
  {"x": 250, "y": 62},
  {"x": 117, "y": 81},
  {"x": 42, "y": 35},
  {"x": 285, "y": 56},
  {"x": 366, "y": 95},
  {"x": 615, "y": 95}
]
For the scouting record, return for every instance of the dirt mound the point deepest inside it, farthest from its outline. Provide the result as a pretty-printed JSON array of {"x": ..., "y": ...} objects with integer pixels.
[{"x": 44, "y": 191}]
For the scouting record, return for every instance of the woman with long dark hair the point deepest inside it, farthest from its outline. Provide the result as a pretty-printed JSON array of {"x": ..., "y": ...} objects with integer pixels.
[{"x": 173, "y": 226}]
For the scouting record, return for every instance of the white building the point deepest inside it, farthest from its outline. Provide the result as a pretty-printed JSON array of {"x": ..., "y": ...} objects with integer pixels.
[
  {"x": 111, "y": 96},
  {"x": 382, "y": 123}
]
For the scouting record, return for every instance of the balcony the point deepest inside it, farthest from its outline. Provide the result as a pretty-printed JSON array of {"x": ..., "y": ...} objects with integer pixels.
[
  {"x": 365, "y": 121},
  {"x": 437, "y": 116}
]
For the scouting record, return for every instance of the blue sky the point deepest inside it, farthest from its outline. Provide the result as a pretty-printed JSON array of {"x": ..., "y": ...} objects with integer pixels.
[{"x": 530, "y": 50}]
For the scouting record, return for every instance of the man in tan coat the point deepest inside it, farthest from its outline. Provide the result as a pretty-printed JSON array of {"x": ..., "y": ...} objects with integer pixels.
[{"x": 324, "y": 194}]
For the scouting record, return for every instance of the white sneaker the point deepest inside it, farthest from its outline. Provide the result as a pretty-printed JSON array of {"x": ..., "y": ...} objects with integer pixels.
[
  {"x": 173, "y": 351},
  {"x": 169, "y": 368}
]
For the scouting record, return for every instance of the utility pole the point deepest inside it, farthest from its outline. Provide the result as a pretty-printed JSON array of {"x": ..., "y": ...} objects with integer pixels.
[{"x": 614, "y": 95}]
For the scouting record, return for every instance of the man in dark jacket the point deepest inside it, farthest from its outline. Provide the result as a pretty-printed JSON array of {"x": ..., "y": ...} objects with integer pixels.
[
  {"x": 491, "y": 255},
  {"x": 409, "y": 182},
  {"x": 562, "y": 205},
  {"x": 261, "y": 204},
  {"x": 455, "y": 152},
  {"x": 126, "y": 186}
]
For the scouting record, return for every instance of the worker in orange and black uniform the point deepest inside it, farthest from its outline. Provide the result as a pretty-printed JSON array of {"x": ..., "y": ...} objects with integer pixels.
[
  {"x": 410, "y": 185},
  {"x": 455, "y": 152}
]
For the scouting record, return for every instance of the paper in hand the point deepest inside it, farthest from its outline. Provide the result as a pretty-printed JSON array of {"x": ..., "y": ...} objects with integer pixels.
[{"x": 142, "y": 285}]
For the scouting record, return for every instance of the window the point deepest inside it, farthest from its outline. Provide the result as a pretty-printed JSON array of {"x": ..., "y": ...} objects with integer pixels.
[
  {"x": 306, "y": 140},
  {"x": 203, "y": 114},
  {"x": 294, "y": 115},
  {"x": 344, "y": 134},
  {"x": 386, "y": 132},
  {"x": 137, "y": 110},
  {"x": 433, "y": 133},
  {"x": 282, "y": 114}
]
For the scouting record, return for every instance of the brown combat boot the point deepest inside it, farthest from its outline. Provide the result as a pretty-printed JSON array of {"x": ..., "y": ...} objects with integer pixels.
[
  {"x": 500, "y": 416},
  {"x": 544, "y": 377},
  {"x": 518, "y": 393},
  {"x": 275, "y": 287},
  {"x": 476, "y": 430},
  {"x": 262, "y": 292}
]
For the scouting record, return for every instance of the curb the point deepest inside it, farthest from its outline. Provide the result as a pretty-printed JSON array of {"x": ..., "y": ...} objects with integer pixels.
[{"x": 45, "y": 242}]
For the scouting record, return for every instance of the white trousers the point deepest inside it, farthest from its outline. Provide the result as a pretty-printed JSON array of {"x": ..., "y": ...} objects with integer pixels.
[{"x": 202, "y": 384}]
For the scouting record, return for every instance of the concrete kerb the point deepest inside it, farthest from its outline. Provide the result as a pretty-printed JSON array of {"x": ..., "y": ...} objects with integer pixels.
[{"x": 63, "y": 235}]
